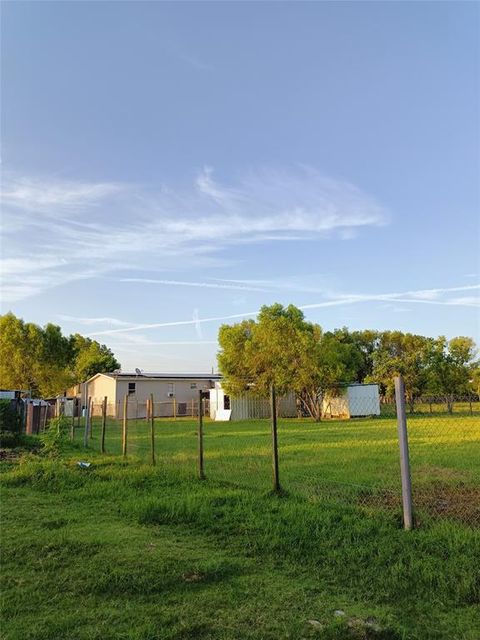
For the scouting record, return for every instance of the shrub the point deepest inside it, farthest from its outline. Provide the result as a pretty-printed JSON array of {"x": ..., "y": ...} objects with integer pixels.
[
  {"x": 10, "y": 419},
  {"x": 56, "y": 438}
]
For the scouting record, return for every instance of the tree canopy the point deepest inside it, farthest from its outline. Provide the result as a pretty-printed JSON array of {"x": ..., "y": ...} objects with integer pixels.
[
  {"x": 280, "y": 347},
  {"x": 43, "y": 360}
]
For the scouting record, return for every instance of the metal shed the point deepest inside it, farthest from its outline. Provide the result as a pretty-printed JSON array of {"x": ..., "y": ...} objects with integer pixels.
[{"x": 354, "y": 400}]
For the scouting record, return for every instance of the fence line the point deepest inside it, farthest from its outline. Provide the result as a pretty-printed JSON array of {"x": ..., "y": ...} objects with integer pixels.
[{"x": 352, "y": 461}]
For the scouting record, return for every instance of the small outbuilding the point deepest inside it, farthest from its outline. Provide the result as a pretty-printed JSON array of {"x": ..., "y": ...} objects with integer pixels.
[
  {"x": 353, "y": 401},
  {"x": 248, "y": 406}
]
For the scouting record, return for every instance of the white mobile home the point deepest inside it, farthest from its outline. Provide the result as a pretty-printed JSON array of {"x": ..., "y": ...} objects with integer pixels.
[
  {"x": 354, "y": 400},
  {"x": 247, "y": 406},
  {"x": 174, "y": 394}
]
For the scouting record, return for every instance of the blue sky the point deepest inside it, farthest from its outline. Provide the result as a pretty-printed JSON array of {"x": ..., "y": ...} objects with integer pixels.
[{"x": 167, "y": 165}]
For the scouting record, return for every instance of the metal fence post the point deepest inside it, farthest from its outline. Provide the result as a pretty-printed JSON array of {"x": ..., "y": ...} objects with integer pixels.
[
  {"x": 125, "y": 423},
  {"x": 201, "y": 468},
  {"x": 152, "y": 426},
  {"x": 87, "y": 422},
  {"x": 104, "y": 424},
  {"x": 273, "y": 412},
  {"x": 90, "y": 418},
  {"x": 404, "y": 454}
]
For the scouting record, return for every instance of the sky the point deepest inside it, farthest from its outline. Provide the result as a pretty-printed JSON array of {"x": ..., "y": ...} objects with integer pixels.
[{"x": 169, "y": 167}]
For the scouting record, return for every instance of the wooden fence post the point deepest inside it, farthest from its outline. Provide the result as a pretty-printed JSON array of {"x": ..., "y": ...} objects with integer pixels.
[
  {"x": 174, "y": 408},
  {"x": 273, "y": 413},
  {"x": 404, "y": 454},
  {"x": 87, "y": 422},
  {"x": 104, "y": 425},
  {"x": 125, "y": 425},
  {"x": 152, "y": 426},
  {"x": 44, "y": 426},
  {"x": 201, "y": 468}
]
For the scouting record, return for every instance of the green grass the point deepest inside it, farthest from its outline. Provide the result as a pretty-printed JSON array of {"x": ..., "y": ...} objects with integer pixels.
[
  {"x": 128, "y": 550},
  {"x": 354, "y": 460}
]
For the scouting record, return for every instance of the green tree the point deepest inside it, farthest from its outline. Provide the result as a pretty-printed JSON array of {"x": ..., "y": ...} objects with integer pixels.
[
  {"x": 21, "y": 347},
  {"x": 55, "y": 374},
  {"x": 451, "y": 367},
  {"x": 475, "y": 379},
  {"x": 404, "y": 354},
  {"x": 283, "y": 349},
  {"x": 44, "y": 361},
  {"x": 90, "y": 357},
  {"x": 367, "y": 342},
  {"x": 264, "y": 352}
]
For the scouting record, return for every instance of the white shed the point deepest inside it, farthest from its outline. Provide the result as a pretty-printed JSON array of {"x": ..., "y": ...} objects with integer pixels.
[
  {"x": 355, "y": 400},
  {"x": 248, "y": 406}
]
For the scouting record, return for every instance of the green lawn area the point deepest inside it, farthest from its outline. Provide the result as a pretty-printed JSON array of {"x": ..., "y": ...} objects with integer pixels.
[
  {"x": 347, "y": 459},
  {"x": 130, "y": 550}
]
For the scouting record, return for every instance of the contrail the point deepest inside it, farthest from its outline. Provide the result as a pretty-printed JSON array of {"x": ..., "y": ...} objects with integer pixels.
[{"x": 344, "y": 300}]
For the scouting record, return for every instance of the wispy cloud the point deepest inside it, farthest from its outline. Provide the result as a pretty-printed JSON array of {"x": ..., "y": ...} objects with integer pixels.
[
  {"x": 94, "y": 321},
  {"x": 187, "y": 283},
  {"x": 197, "y": 324},
  {"x": 412, "y": 297},
  {"x": 83, "y": 230}
]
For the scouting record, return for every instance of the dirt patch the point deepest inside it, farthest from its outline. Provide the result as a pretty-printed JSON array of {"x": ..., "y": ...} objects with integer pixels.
[{"x": 458, "y": 502}]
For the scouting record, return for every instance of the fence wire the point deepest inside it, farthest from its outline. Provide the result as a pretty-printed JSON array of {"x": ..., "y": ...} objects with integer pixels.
[{"x": 349, "y": 458}]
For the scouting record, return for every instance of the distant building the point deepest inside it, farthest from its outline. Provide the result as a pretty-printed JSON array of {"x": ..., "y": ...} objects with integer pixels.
[
  {"x": 11, "y": 394},
  {"x": 173, "y": 393},
  {"x": 353, "y": 400}
]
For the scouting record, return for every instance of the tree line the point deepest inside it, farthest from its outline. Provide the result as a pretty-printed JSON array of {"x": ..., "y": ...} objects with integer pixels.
[
  {"x": 44, "y": 361},
  {"x": 280, "y": 347}
]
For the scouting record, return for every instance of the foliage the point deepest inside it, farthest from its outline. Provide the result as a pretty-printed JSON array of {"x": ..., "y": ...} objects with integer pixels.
[
  {"x": 10, "y": 419},
  {"x": 257, "y": 354},
  {"x": 91, "y": 357},
  {"x": 475, "y": 379},
  {"x": 45, "y": 362},
  {"x": 55, "y": 438},
  {"x": 403, "y": 354},
  {"x": 451, "y": 366},
  {"x": 283, "y": 349}
]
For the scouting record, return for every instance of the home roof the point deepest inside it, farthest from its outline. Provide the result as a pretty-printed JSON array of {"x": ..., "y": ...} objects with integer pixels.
[{"x": 145, "y": 375}]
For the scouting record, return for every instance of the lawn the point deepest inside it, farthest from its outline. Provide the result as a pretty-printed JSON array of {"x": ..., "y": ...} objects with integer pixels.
[
  {"x": 345, "y": 459},
  {"x": 130, "y": 550}
]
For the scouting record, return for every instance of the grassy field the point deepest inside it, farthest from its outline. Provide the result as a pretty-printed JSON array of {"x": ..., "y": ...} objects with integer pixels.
[
  {"x": 344, "y": 459},
  {"x": 128, "y": 550}
]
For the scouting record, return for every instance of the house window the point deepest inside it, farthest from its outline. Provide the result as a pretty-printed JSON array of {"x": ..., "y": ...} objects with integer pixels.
[
  {"x": 171, "y": 390},
  {"x": 226, "y": 402},
  {"x": 132, "y": 388},
  {"x": 193, "y": 385}
]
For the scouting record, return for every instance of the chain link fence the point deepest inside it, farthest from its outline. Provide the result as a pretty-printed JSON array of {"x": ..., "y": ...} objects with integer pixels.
[{"x": 351, "y": 456}]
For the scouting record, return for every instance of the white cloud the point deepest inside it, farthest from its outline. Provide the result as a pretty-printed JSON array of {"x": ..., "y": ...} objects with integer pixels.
[
  {"x": 82, "y": 230},
  {"x": 93, "y": 321},
  {"x": 202, "y": 285},
  {"x": 53, "y": 197},
  {"x": 197, "y": 324},
  {"x": 337, "y": 300}
]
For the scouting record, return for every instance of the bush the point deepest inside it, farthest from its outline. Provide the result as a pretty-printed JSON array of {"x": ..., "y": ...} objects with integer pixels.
[
  {"x": 10, "y": 419},
  {"x": 8, "y": 439},
  {"x": 56, "y": 438}
]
